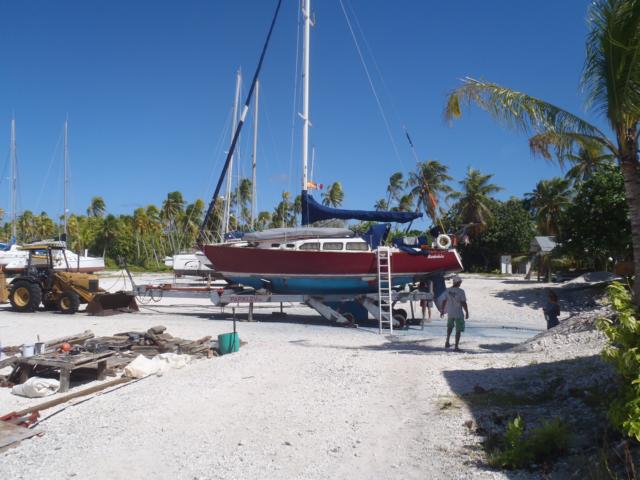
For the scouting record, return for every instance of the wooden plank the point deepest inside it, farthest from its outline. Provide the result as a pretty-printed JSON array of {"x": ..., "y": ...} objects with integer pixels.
[
  {"x": 66, "y": 360},
  {"x": 10, "y": 433},
  {"x": 81, "y": 393},
  {"x": 72, "y": 339},
  {"x": 8, "y": 362}
]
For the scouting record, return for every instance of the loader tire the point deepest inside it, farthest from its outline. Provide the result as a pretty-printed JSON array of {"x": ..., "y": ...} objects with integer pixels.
[
  {"x": 68, "y": 303},
  {"x": 25, "y": 296}
]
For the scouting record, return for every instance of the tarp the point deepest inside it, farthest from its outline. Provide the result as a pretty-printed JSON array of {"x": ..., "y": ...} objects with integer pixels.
[
  {"x": 297, "y": 233},
  {"x": 312, "y": 212},
  {"x": 377, "y": 234}
]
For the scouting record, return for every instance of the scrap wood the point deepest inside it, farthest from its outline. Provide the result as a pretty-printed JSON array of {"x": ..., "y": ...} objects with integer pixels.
[
  {"x": 71, "y": 339},
  {"x": 8, "y": 362},
  {"x": 57, "y": 401}
]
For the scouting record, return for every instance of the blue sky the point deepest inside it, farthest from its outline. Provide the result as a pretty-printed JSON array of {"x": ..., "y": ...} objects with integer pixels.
[{"x": 148, "y": 86}]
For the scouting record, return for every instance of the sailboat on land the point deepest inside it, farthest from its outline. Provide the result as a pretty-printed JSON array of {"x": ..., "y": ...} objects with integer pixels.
[
  {"x": 12, "y": 258},
  {"x": 310, "y": 260}
]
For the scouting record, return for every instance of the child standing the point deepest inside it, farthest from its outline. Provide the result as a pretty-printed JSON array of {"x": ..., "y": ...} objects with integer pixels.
[{"x": 551, "y": 310}]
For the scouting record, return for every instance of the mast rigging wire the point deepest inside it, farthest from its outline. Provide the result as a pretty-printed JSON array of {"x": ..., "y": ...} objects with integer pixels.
[{"x": 373, "y": 88}]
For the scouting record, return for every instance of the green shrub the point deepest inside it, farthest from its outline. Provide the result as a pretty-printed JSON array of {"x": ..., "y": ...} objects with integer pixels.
[
  {"x": 623, "y": 353},
  {"x": 544, "y": 444}
]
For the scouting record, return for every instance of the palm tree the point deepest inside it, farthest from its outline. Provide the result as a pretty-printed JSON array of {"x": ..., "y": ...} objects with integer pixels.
[
  {"x": 405, "y": 204},
  {"x": 381, "y": 205},
  {"x": 589, "y": 159},
  {"x": 548, "y": 201},
  {"x": 429, "y": 184},
  {"x": 395, "y": 187},
  {"x": 263, "y": 220},
  {"x": 474, "y": 200},
  {"x": 97, "y": 207},
  {"x": 334, "y": 195},
  {"x": 243, "y": 196},
  {"x": 611, "y": 78}
]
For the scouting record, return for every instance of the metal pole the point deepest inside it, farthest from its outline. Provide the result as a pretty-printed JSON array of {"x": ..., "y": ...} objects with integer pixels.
[
  {"x": 254, "y": 155},
  {"x": 306, "y": 12},
  {"x": 227, "y": 203},
  {"x": 66, "y": 175},
  {"x": 14, "y": 177}
]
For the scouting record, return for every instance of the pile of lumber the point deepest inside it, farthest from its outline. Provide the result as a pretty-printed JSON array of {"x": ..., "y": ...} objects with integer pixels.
[{"x": 119, "y": 349}]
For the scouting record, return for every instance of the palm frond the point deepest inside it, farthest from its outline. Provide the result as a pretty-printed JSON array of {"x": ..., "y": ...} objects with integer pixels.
[
  {"x": 516, "y": 110},
  {"x": 611, "y": 75},
  {"x": 563, "y": 144}
]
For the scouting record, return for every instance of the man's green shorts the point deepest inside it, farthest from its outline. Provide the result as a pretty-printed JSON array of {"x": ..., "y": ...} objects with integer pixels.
[{"x": 459, "y": 323}]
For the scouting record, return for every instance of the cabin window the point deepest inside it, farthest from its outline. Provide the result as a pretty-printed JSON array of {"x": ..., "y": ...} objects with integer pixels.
[
  {"x": 310, "y": 246},
  {"x": 333, "y": 246},
  {"x": 361, "y": 246},
  {"x": 291, "y": 245},
  {"x": 275, "y": 245}
]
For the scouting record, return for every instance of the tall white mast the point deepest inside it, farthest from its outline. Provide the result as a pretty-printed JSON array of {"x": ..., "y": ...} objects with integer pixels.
[
  {"x": 254, "y": 154},
  {"x": 306, "y": 12},
  {"x": 66, "y": 175},
  {"x": 14, "y": 177},
  {"x": 227, "y": 203}
]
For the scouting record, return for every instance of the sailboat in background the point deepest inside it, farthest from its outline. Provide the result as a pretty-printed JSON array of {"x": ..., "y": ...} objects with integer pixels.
[
  {"x": 12, "y": 258},
  {"x": 322, "y": 260},
  {"x": 196, "y": 263}
]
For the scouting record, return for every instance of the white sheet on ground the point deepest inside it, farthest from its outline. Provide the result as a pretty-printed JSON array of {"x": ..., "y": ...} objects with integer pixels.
[
  {"x": 36, "y": 387},
  {"x": 143, "y": 366}
]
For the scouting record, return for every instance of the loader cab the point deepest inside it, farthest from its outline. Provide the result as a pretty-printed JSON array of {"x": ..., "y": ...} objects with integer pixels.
[{"x": 46, "y": 256}]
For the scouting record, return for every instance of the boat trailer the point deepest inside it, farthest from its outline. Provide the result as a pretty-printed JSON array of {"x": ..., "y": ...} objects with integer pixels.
[{"x": 344, "y": 309}]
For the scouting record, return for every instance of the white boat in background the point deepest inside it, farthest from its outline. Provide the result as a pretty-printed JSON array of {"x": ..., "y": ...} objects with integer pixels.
[
  {"x": 196, "y": 264},
  {"x": 14, "y": 260}
]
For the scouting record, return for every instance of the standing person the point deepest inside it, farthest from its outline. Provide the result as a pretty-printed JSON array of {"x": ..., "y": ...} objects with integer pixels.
[
  {"x": 455, "y": 301},
  {"x": 551, "y": 310},
  {"x": 426, "y": 305}
]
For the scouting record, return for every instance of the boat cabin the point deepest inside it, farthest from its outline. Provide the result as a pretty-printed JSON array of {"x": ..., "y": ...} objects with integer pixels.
[{"x": 318, "y": 244}]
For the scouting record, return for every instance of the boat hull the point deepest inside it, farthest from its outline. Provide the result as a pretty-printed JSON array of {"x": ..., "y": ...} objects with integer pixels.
[{"x": 320, "y": 272}]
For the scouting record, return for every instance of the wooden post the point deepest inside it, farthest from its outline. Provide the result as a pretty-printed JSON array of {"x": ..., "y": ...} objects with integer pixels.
[{"x": 65, "y": 378}]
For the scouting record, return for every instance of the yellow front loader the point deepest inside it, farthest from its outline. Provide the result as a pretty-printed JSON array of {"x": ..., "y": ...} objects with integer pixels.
[{"x": 62, "y": 290}]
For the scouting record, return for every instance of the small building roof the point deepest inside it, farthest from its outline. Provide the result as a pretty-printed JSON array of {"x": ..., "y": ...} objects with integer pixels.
[{"x": 543, "y": 245}]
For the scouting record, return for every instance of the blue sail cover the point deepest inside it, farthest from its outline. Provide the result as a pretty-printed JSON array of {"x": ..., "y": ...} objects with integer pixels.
[{"x": 312, "y": 211}]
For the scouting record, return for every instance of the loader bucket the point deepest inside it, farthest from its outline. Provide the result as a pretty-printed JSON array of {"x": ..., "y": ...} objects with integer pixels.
[{"x": 112, "y": 303}]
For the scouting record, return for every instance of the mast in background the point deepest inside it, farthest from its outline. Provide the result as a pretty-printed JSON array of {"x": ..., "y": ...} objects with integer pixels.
[
  {"x": 254, "y": 155},
  {"x": 306, "y": 13},
  {"x": 14, "y": 177},
  {"x": 227, "y": 203},
  {"x": 66, "y": 176}
]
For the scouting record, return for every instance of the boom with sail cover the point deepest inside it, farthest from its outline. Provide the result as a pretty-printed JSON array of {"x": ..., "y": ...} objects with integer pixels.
[{"x": 312, "y": 212}]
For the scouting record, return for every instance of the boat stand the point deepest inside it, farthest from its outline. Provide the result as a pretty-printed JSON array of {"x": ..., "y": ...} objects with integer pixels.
[{"x": 328, "y": 306}]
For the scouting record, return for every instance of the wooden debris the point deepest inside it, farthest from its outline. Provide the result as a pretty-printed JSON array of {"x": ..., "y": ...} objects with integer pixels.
[
  {"x": 102, "y": 356},
  {"x": 78, "y": 338}
]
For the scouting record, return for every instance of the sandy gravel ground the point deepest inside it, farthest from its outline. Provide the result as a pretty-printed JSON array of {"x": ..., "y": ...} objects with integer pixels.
[{"x": 303, "y": 399}]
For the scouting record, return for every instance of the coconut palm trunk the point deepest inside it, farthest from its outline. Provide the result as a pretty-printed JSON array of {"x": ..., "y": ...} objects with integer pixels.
[{"x": 631, "y": 174}]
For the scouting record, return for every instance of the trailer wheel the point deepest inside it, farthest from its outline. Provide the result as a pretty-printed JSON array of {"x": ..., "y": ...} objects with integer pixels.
[
  {"x": 399, "y": 321},
  {"x": 401, "y": 311},
  {"x": 69, "y": 302},
  {"x": 25, "y": 296}
]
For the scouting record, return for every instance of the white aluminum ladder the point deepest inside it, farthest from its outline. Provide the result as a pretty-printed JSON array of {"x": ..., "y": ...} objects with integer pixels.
[{"x": 385, "y": 314}]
